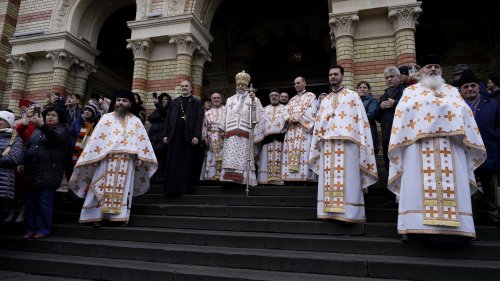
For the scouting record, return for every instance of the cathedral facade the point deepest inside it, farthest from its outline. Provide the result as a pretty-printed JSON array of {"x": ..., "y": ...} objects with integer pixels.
[{"x": 91, "y": 47}]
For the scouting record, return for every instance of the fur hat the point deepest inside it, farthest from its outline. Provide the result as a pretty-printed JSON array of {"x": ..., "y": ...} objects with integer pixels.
[
  {"x": 459, "y": 68},
  {"x": 467, "y": 77},
  {"x": 495, "y": 78},
  {"x": 8, "y": 116},
  {"x": 404, "y": 70},
  {"x": 429, "y": 59},
  {"x": 61, "y": 114}
]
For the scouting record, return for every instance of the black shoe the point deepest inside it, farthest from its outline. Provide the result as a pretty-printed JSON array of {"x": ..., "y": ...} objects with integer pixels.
[{"x": 405, "y": 238}]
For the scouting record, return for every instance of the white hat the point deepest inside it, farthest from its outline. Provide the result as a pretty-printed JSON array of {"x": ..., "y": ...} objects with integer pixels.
[{"x": 8, "y": 116}]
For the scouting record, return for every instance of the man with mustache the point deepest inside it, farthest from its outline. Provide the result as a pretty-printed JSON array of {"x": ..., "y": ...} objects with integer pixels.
[
  {"x": 434, "y": 149},
  {"x": 115, "y": 165}
]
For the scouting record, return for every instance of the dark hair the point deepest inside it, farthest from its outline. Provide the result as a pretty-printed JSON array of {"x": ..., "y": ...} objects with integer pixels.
[
  {"x": 364, "y": 82},
  {"x": 139, "y": 100},
  {"x": 339, "y": 67},
  {"x": 61, "y": 114}
]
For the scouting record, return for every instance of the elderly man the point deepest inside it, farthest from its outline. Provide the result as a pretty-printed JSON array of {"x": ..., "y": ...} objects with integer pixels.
[
  {"x": 241, "y": 112},
  {"x": 342, "y": 153},
  {"x": 270, "y": 132},
  {"x": 182, "y": 134},
  {"x": 487, "y": 115},
  {"x": 213, "y": 138},
  {"x": 301, "y": 116},
  {"x": 284, "y": 98},
  {"x": 115, "y": 165},
  {"x": 387, "y": 106},
  {"x": 434, "y": 149}
]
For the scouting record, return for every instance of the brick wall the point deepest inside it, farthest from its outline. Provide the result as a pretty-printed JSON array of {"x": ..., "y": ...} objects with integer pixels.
[
  {"x": 35, "y": 15},
  {"x": 371, "y": 57},
  {"x": 8, "y": 18}
]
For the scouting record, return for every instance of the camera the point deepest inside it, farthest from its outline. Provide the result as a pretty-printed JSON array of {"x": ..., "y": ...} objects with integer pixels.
[{"x": 155, "y": 95}]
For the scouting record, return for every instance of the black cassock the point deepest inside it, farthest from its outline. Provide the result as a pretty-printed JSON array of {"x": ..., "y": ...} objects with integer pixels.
[{"x": 183, "y": 122}]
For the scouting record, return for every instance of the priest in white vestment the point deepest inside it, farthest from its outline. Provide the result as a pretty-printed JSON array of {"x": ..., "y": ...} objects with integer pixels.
[
  {"x": 342, "y": 153},
  {"x": 434, "y": 149},
  {"x": 270, "y": 133},
  {"x": 115, "y": 165},
  {"x": 213, "y": 137},
  {"x": 240, "y": 113},
  {"x": 301, "y": 116}
]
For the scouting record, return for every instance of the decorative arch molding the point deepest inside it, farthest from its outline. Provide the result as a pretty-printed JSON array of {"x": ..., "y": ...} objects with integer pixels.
[
  {"x": 205, "y": 10},
  {"x": 84, "y": 18},
  {"x": 174, "y": 7}
]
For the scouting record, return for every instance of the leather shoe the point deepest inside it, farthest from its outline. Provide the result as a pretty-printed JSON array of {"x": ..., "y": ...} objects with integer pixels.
[
  {"x": 27, "y": 235},
  {"x": 40, "y": 236}
]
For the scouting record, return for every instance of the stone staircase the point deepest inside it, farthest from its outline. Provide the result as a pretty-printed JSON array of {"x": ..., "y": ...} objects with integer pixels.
[{"x": 220, "y": 234}]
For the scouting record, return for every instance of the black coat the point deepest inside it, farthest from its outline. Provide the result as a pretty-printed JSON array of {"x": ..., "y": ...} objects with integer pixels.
[
  {"x": 155, "y": 133},
  {"x": 194, "y": 119},
  {"x": 488, "y": 121},
  {"x": 386, "y": 116},
  {"x": 44, "y": 158}
]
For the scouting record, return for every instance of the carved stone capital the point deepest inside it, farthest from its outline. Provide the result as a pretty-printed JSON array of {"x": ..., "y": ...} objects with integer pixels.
[
  {"x": 62, "y": 59},
  {"x": 84, "y": 69},
  {"x": 201, "y": 56},
  {"x": 21, "y": 62},
  {"x": 404, "y": 17},
  {"x": 185, "y": 44},
  {"x": 343, "y": 25},
  {"x": 141, "y": 48}
]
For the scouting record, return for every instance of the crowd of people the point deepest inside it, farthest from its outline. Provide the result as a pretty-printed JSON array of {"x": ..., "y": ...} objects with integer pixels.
[{"x": 437, "y": 139}]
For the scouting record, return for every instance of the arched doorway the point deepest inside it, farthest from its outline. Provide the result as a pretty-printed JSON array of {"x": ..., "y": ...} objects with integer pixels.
[
  {"x": 115, "y": 64},
  {"x": 273, "y": 46}
]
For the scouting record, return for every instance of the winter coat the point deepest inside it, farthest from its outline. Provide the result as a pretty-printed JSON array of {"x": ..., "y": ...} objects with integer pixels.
[
  {"x": 370, "y": 104},
  {"x": 488, "y": 121},
  {"x": 386, "y": 116},
  {"x": 45, "y": 152},
  {"x": 8, "y": 163},
  {"x": 157, "y": 120}
]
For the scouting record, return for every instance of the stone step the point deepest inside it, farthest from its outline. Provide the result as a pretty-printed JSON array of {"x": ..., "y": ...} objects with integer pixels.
[
  {"x": 236, "y": 224},
  {"x": 310, "y": 190},
  {"x": 12, "y": 276},
  {"x": 242, "y": 200},
  {"x": 261, "y": 212},
  {"x": 246, "y": 258},
  {"x": 478, "y": 250},
  {"x": 131, "y": 270}
]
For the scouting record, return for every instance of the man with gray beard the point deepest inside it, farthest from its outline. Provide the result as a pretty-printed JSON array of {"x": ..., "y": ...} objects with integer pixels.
[
  {"x": 115, "y": 165},
  {"x": 435, "y": 147}
]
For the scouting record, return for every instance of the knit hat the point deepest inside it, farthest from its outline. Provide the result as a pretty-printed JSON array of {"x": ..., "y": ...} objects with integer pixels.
[
  {"x": 93, "y": 108},
  {"x": 429, "y": 59},
  {"x": 8, "y": 116},
  {"x": 467, "y": 77},
  {"x": 459, "y": 68}
]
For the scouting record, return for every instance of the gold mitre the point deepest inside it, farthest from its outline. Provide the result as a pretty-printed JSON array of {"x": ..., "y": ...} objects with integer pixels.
[{"x": 242, "y": 78}]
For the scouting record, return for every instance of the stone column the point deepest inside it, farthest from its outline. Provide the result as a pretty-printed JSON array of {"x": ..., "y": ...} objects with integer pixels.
[
  {"x": 200, "y": 57},
  {"x": 82, "y": 72},
  {"x": 404, "y": 19},
  {"x": 342, "y": 28},
  {"x": 142, "y": 51},
  {"x": 21, "y": 65},
  {"x": 62, "y": 63},
  {"x": 185, "y": 47}
]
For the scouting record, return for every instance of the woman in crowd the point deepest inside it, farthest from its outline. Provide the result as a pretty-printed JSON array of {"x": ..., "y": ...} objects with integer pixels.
[
  {"x": 370, "y": 104},
  {"x": 81, "y": 130},
  {"x": 11, "y": 153},
  {"x": 43, "y": 169},
  {"x": 157, "y": 120}
]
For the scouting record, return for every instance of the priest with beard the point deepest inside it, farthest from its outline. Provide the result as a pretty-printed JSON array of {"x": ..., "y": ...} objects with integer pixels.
[
  {"x": 435, "y": 147},
  {"x": 241, "y": 112},
  {"x": 182, "y": 133},
  {"x": 115, "y": 165}
]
